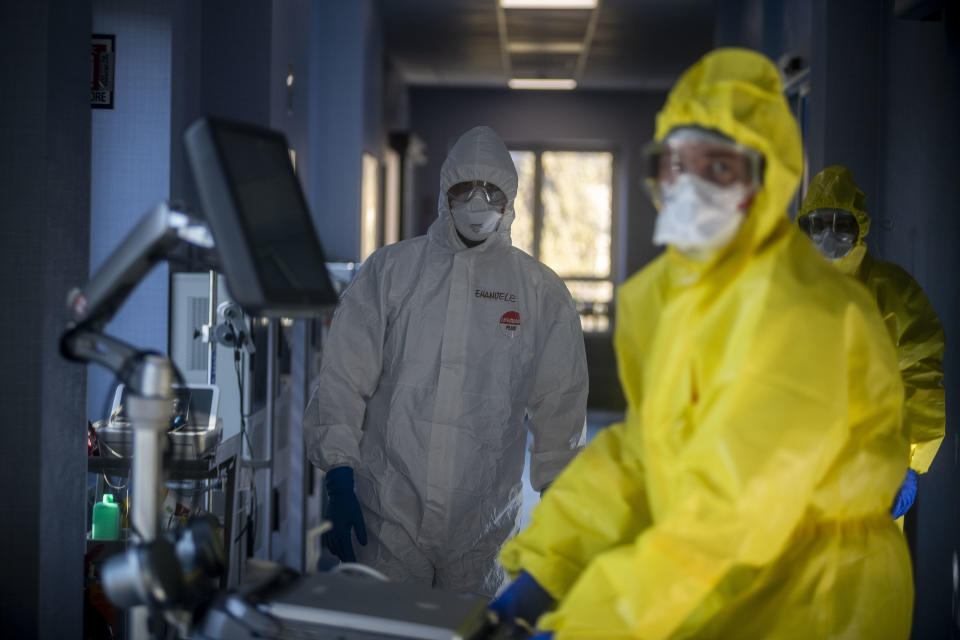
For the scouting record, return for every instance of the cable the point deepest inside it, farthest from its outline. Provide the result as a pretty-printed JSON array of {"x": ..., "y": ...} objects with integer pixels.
[
  {"x": 107, "y": 400},
  {"x": 243, "y": 417},
  {"x": 254, "y": 504},
  {"x": 112, "y": 486},
  {"x": 356, "y": 567}
]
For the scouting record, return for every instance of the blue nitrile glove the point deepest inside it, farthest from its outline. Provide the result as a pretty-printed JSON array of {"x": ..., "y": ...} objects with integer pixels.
[
  {"x": 523, "y": 599},
  {"x": 343, "y": 512},
  {"x": 905, "y": 495},
  {"x": 546, "y": 635}
]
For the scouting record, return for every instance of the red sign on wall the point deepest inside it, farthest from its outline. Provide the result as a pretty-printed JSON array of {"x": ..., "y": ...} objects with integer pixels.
[{"x": 102, "y": 61}]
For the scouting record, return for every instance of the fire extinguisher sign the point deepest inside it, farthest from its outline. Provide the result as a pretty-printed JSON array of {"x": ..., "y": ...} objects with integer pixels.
[{"x": 102, "y": 59}]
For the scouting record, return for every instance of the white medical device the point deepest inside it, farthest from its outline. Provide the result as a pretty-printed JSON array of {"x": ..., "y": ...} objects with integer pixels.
[{"x": 194, "y": 427}]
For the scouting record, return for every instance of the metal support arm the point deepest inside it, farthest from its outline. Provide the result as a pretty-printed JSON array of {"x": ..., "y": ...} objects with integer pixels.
[
  {"x": 152, "y": 240},
  {"x": 148, "y": 376}
]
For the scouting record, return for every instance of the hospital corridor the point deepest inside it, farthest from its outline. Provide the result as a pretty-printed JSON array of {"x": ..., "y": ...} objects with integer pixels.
[{"x": 481, "y": 319}]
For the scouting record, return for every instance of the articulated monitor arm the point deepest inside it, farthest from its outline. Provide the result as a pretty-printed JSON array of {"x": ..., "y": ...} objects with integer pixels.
[
  {"x": 150, "y": 379},
  {"x": 155, "y": 237}
]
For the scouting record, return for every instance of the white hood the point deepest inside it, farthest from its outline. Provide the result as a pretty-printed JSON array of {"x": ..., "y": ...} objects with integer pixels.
[{"x": 480, "y": 154}]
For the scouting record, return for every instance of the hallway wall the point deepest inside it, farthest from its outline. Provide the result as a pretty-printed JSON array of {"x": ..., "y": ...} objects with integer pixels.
[
  {"x": 130, "y": 169},
  {"x": 885, "y": 91},
  {"x": 45, "y": 204}
]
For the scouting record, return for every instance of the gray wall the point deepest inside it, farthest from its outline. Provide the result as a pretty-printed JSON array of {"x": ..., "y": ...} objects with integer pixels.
[
  {"x": 919, "y": 229},
  {"x": 773, "y": 27},
  {"x": 175, "y": 61},
  {"x": 220, "y": 66},
  {"x": 130, "y": 168},
  {"x": 45, "y": 199},
  {"x": 345, "y": 115},
  {"x": 231, "y": 59},
  {"x": 885, "y": 94},
  {"x": 846, "y": 100},
  {"x": 290, "y": 53}
]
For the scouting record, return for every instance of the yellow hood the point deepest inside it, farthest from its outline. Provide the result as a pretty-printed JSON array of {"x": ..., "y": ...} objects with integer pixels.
[
  {"x": 834, "y": 188},
  {"x": 738, "y": 93},
  {"x": 910, "y": 320}
]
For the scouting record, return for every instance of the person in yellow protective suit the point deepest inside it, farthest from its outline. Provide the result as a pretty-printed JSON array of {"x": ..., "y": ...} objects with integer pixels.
[
  {"x": 746, "y": 494},
  {"x": 834, "y": 215}
]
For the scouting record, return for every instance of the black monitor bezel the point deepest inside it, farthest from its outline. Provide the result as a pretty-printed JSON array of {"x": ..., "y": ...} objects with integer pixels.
[{"x": 204, "y": 149}]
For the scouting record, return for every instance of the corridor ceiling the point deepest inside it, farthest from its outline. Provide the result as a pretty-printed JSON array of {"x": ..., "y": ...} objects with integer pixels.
[{"x": 620, "y": 44}]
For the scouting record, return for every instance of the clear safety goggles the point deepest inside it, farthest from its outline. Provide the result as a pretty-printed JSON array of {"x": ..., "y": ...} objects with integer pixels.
[
  {"x": 462, "y": 192},
  {"x": 705, "y": 154},
  {"x": 839, "y": 221}
]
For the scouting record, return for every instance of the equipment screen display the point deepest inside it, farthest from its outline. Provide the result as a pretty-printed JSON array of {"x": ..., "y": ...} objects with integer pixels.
[
  {"x": 286, "y": 252},
  {"x": 191, "y": 408}
]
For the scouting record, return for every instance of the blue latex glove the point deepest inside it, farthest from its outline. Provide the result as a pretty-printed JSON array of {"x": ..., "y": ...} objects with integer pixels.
[
  {"x": 523, "y": 599},
  {"x": 905, "y": 495},
  {"x": 343, "y": 512}
]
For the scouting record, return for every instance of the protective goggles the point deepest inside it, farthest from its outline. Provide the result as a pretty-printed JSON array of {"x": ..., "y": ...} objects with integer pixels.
[
  {"x": 839, "y": 221},
  {"x": 707, "y": 155},
  {"x": 463, "y": 192}
]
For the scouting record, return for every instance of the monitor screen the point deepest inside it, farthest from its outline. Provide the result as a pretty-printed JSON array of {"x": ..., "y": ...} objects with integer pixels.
[
  {"x": 258, "y": 215},
  {"x": 193, "y": 407}
]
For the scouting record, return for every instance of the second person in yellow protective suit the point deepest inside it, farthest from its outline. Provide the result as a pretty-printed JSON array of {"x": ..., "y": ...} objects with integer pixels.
[
  {"x": 746, "y": 495},
  {"x": 834, "y": 215}
]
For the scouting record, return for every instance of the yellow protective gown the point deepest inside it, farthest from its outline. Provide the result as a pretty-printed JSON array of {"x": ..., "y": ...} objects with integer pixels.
[
  {"x": 910, "y": 320},
  {"x": 747, "y": 493}
]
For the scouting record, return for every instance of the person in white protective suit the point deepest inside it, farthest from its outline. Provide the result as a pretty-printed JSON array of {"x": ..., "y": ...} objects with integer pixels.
[{"x": 439, "y": 348}]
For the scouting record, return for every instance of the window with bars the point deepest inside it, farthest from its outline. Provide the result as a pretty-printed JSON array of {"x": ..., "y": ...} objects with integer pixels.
[{"x": 564, "y": 218}]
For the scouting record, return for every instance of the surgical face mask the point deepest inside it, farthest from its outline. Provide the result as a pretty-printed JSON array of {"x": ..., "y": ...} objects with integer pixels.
[
  {"x": 833, "y": 245},
  {"x": 833, "y": 231},
  {"x": 475, "y": 219},
  {"x": 697, "y": 216}
]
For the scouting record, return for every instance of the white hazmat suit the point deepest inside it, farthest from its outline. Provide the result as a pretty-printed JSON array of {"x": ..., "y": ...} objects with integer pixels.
[{"x": 435, "y": 354}]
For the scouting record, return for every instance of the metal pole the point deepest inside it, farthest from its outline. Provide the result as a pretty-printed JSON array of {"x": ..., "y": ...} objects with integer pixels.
[
  {"x": 212, "y": 322},
  {"x": 149, "y": 413},
  {"x": 295, "y": 547},
  {"x": 273, "y": 337},
  {"x": 211, "y": 368}
]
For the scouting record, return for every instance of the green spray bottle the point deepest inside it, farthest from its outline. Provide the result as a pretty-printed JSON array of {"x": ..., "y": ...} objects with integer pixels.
[{"x": 106, "y": 519}]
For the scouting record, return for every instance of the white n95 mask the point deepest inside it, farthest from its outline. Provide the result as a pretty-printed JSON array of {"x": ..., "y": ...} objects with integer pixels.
[
  {"x": 475, "y": 219},
  {"x": 698, "y": 216}
]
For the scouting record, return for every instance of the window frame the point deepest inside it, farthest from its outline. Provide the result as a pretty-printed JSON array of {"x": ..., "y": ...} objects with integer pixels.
[{"x": 538, "y": 149}]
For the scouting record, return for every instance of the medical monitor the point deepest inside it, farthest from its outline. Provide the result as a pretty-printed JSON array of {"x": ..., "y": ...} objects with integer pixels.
[
  {"x": 252, "y": 201},
  {"x": 194, "y": 407}
]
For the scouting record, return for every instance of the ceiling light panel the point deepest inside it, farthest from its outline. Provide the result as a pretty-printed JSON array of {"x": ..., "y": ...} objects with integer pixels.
[
  {"x": 548, "y": 4},
  {"x": 542, "y": 83},
  {"x": 545, "y": 47}
]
